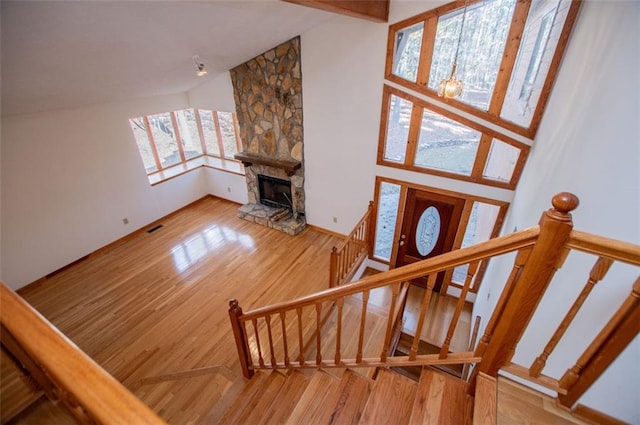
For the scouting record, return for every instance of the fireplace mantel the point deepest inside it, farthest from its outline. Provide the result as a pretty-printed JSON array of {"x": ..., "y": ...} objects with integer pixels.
[{"x": 248, "y": 159}]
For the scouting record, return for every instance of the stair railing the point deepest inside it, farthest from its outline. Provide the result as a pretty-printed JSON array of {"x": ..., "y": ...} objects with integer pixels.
[
  {"x": 63, "y": 371},
  {"x": 615, "y": 335},
  {"x": 266, "y": 337},
  {"x": 347, "y": 256},
  {"x": 538, "y": 253}
]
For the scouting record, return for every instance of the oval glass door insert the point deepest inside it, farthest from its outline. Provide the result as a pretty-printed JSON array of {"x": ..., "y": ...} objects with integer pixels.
[{"x": 427, "y": 231}]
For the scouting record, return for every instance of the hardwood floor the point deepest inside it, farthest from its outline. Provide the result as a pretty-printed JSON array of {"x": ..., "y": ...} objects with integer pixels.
[
  {"x": 156, "y": 305},
  {"x": 520, "y": 405}
]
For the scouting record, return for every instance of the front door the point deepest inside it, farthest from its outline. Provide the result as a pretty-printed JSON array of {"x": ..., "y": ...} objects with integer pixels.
[{"x": 429, "y": 227}]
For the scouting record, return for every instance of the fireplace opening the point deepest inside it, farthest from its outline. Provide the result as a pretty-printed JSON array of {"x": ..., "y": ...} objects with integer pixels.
[{"x": 275, "y": 192}]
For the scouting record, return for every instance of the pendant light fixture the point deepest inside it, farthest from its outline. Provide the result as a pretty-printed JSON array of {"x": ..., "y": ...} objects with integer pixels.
[
  {"x": 452, "y": 87},
  {"x": 199, "y": 66}
]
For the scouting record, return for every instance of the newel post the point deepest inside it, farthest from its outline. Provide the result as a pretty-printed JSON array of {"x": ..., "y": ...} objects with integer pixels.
[
  {"x": 371, "y": 231},
  {"x": 333, "y": 268},
  {"x": 545, "y": 258},
  {"x": 235, "y": 311}
]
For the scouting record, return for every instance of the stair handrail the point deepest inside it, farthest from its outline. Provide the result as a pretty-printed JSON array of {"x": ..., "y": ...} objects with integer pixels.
[
  {"x": 64, "y": 371},
  {"x": 479, "y": 252},
  {"x": 473, "y": 254},
  {"x": 350, "y": 253},
  {"x": 541, "y": 251}
]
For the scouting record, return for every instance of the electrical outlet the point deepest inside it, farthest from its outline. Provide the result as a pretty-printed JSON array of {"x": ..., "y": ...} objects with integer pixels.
[
  {"x": 335, "y": 219},
  {"x": 125, "y": 220}
]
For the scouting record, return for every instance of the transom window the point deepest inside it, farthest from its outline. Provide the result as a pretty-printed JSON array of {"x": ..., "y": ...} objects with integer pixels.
[
  {"x": 508, "y": 56},
  {"x": 419, "y": 136},
  {"x": 174, "y": 138}
]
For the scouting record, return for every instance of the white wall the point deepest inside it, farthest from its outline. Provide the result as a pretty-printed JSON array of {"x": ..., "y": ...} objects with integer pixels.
[
  {"x": 342, "y": 66},
  {"x": 69, "y": 178},
  {"x": 588, "y": 144},
  {"x": 342, "y": 79},
  {"x": 216, "y": 94},
  {"x": 226, "y": 185}
]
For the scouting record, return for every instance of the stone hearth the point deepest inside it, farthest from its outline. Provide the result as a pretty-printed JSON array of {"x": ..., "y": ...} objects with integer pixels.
[
  {"x": 268, "y": 95},
  {"x": 276, "y": 218}
]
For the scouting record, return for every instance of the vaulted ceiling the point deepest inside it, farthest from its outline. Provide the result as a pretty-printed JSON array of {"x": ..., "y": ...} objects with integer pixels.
[{"x": 69, "y": 54}]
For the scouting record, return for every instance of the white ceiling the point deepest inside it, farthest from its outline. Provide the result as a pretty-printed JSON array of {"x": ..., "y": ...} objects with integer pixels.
[{"x": 69, "y": 54}]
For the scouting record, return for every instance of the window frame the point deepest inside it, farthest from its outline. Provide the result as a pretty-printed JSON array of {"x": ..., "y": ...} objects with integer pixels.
[
  {"x": 184, "y": 161},
  {"x": 482, "y": 154},
  {"x": 514, "y": 37}
]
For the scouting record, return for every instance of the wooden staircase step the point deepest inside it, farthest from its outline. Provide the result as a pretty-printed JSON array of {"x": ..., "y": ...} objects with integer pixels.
[
  {"x": 247, "y": 399},
  {"x": 349, "y": 401},
  {"x": 485, "y": 410},
  {"x": 404, "y": 349},
  {"x": 320, "y": 390},
  {"x": 440, "y": 399},
  {"x": 15, "y": 393},
  {"x": 286, "y": 399},
  {"x": 266, "y": 399},
  {"x": 391, "y": 399}
]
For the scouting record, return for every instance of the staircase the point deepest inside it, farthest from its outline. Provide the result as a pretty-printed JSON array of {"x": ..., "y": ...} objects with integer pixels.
[
  {"x": 323, "y": 398},
  {"x": 16, "y": 393}
]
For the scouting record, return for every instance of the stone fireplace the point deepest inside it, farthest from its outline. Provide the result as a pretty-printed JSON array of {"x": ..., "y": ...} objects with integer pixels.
[{"x": 268, "y": 96}]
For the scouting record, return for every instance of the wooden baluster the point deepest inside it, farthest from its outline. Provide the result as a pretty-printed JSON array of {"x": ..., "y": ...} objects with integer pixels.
[
  {"x": 444, "y": 351},
  {"x": 518, "y": 264},
  {"x": 599, "y": 270},
  {"x": 267, "y": 320},
  {"x": 354, "y": 252},
  {"x": 318, "y": 334},
  {"x": 333, "y": 268},
  {"x": 472, "y": 343},
  {"x": 363, "y": 321},
  {"x": 426, "y": 300},
  {"x": 555, "y": 229},
  {"x": 255, "y": 330},
  {"x": 621, "y": 329},
  {"x": 339, "y": 302},
  {"x": 235, "y": 312},
  {"x": 341, "y": 267},
  {"x": 284, "y": 337},
  {"x": 390, "y": 320},
  {"x": 300, "y": 339}
]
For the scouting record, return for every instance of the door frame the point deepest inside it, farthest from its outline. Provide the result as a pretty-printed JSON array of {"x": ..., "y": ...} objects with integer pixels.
[
  {"x": 464, "y": 220},
  {"x": 450, "y": 231}
]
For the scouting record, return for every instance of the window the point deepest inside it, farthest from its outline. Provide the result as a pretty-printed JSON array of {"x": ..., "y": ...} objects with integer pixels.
[
  {"x": 175, "y": 138},
  {"x": 481, "y": 48},
  {"x": 506, "y": 83},
  {"x": 397, "y": 129},
  {"x": 422, "y": 137},
  {"x": 444, "y": 144},
  {"x": 388, "y": 204},
  {"x": 506, "y": 80},
  {"x": 480, "y": 228}
]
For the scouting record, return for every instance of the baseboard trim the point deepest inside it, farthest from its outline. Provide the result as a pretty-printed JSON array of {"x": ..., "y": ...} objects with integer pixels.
[
  {"x": 594, "y": 416},
  {"x": 327, "y": 231},
  {"x": 35, "y": 284}
]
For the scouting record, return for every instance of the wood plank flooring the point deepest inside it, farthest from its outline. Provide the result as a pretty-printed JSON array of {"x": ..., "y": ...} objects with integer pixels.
[
  {"x": 156, "y": 304},
  {"x": 520, "y": 405}
]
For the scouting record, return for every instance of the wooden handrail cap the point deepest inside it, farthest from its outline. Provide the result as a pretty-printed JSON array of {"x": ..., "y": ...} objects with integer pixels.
[{"x": 565, "y": 202}]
